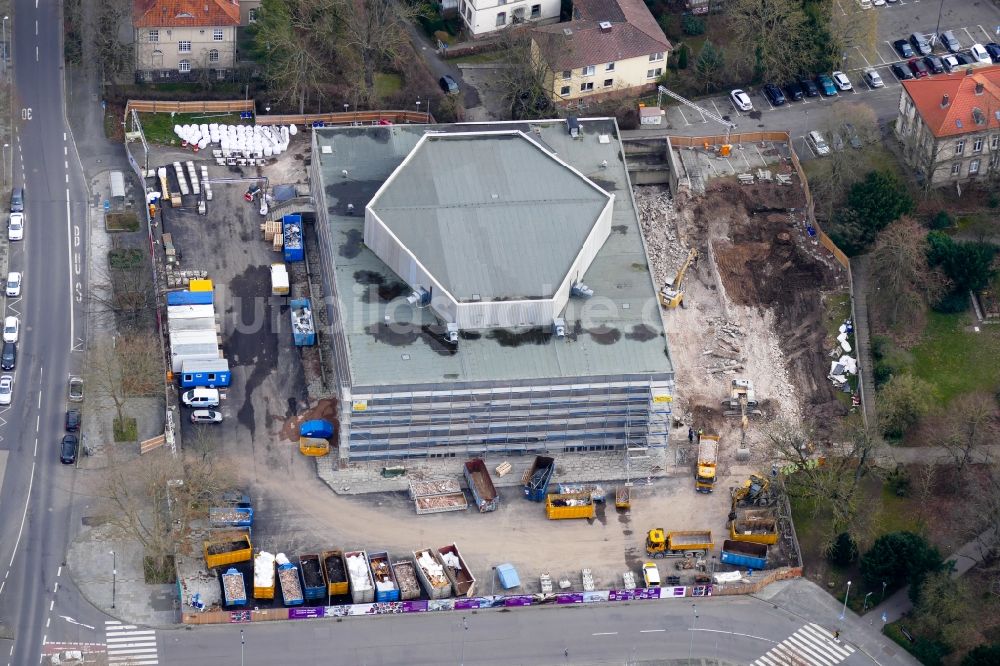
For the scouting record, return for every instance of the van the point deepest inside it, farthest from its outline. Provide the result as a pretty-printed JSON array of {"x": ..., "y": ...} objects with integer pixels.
[{"x": 201, "y": 397}]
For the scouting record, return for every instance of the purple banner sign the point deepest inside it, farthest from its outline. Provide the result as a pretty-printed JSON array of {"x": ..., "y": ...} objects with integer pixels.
[
  {"x": 639, "y": 593},
  {"x": 518, "y": 601},
  {"x": 414, "y": 606},
  {"x": 571, "y": 598},
  {"x": 305, "y": 613},
  {"x": 466, "y": 604}
]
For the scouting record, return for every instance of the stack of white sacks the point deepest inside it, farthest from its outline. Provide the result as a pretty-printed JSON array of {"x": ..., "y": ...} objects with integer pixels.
[{"x": 251, "y": 141}]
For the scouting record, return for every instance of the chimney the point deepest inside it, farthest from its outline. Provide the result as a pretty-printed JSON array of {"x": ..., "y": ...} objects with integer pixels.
[
  {"x": 605, "y": 26},
  {"x": 980, "y": 88},
  {"x": 944, "y": 101}
]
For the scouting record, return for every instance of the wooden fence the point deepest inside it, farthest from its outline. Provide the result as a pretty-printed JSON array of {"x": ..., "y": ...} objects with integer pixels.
[
  {"x": 348, "y": 118},
  {"x": 758, "y": 583},
  {"x": 223, "y": 106},
  {"x": 719, "y": 139}
]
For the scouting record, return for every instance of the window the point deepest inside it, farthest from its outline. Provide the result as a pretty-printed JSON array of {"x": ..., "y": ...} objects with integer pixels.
[
  {"x": 587, "y": 71},
  {"x": 608, "y": 83},
  {"x": 220, "y": 74},
  {"x": 610, "y": 67},
  {"x": 211, "y": 376},
  {"x": 994, "y": 160},
  {"x": 501, "y": 19},
  {"x": 536, "y": 11},
  {"x": 973, "y": 167},
  {"x": 217, "y": 35},
  {"x": 154, "y": 35},
  {"x": 468, "y": 14},
  {"x": 656, "y": 57},
  {"x": 213, "y": 55},
  {"x": 188, "y": 377},
  {"x": 587, "y": 87},
  {"x": 654, "y": 73},
  {"x": 956, "y": 168},
  {"x": 567, "y": 74},
  {"x": 977, "y": 145},
  {"x": 564, "y": 91},
  {"x": 184, "y": 46},
  {"x": 501, "y": 2},
  {"x": 252, "y": 16},
  {"x": 995, "y": 142},
  {"x": 960, "y": 146},
  {"x": 184, "y": 66}
]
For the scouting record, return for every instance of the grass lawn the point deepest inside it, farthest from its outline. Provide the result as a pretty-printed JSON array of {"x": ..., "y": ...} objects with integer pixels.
[
  {"x": 478, "y": 58},
  {"x": 387, "y": 84},
  {"x": 125, "y": 221},
  {"x": 159, "y": 127},
  {"x": 955, "y": 359}
]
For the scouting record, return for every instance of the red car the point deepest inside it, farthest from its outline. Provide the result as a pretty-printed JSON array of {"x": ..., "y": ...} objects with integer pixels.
[{"x": 919, "y": 68}]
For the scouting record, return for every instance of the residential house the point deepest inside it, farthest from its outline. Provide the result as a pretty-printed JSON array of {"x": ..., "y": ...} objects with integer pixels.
[
  {"x": 177, "y": 39},
  {"x": 249, "y": 10},
  {"x": 949, "y": 125},
  {"x": 609, "y": 46},
  {"x": 483, "y": 17}
]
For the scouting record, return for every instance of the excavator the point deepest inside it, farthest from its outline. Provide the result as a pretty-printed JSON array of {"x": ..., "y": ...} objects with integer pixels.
[
  {"x": 671, "y": 295},
  {"x": 755, "y": 491},
  {"x": 742, "y": 402}
]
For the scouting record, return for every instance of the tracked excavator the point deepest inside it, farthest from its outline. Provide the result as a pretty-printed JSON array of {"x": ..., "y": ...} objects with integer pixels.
[
  {"x": 742, "y": 402},
  {"x": 671, "y": 295}
]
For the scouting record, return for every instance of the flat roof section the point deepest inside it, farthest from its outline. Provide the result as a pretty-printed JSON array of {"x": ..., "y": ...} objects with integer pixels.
[
  {"x": 493, "y": 216},
  {"x": 617, "y": 332}
]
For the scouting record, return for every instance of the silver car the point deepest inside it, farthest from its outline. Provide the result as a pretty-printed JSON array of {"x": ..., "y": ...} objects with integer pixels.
[
  {"x": 206, "y": 416},
  {"x": 949, "y": 41}
]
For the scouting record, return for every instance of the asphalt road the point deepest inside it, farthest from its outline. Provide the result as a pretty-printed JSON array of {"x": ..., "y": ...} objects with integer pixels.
[{"x": 36, "y": 494}]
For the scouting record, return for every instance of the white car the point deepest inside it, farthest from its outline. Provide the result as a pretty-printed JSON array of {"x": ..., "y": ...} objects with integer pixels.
[
  {"x": 206, "y": 416},
  {"x": 841, "y": 81},
  {"x": 950, "y": 63},
  {"x": 873, "y": 79},
  {"x": 6, "y": 389},
  {"x": 11, "y": 328},
  {"x": 13, "y": 283},
  {"x": 818, "y": 143},
  {"x": 878, "y": 3},
  {"x": 978, "y": 52},
  {"x": 15, "y": 227},
  {"x": 741, "y": 100}
]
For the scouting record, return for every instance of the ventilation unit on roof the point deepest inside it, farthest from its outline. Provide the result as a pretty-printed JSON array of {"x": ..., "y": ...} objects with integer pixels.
[
  {"x": 453, "y": 333},
  {"x": 420, "y": 297},
  {"x": 573, "y": 125},
  {"x": 605, "y": 26},
  {"x": 580, "y": 290},
  {"x": 559, "y": 327},
  {"x": 567, "y": 32}
]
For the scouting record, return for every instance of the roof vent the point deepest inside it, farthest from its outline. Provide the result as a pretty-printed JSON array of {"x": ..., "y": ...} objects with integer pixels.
[
  {"x": 420, "y": 297},
  {"x": 559, "y": 327},
  {"x": 978, "y": 116},
  {"x": 326, "y": 150},
  {"x": 605, "y": 26},
  {"x": 944, "y": 101},
  {"x": 567, "y": 32},
  {"x": 573, "y": 125},
  {"x": 206, "y": 9},
  {"x": 580, "y": 290},
  {"x": 980, "y": 88},
  {"x": 453, "y": 333},
  {"x": 968, "y": 72}
]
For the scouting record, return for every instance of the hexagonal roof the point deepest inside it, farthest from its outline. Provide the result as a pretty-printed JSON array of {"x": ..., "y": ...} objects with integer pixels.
[{"x": 492, "y": 215}]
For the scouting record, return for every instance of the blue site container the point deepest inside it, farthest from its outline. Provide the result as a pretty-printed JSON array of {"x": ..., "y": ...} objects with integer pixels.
[
  {"x": 317, "y": 428},
  {"x": 211, "y": 373},
  {"x": 190, "y": 297},
  {"x": 291, "y": 229},
  {"x": 508, "y": 576}
]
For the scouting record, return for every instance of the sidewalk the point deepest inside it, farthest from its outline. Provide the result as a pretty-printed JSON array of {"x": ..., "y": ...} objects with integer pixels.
[{"x": 862, "y": 334}]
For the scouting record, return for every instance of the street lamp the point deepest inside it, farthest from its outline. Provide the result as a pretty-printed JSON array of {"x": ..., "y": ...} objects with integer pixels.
[
  {"x": 493, "y": 582},
  {"x": 267, "y": 109},
  {"x": 694, "y": 621},
  {"x": 865, "y": 606},
  {"x": 883, "y": 592},
  {"x": 114, "y": 576},
  {"x": 5, "y": 49},
  {"x": 3, "y": 167},
  {"x": 843, "y": 613},
  {"x": 418, "y": 106},
  {"x": 242, "y": 644}
]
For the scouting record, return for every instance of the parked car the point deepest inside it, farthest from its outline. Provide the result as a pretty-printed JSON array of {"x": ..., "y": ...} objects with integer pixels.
[
  {"x": 964, "y": 59},
  {"x": 6, "y": 389},
  {"x": 841, "y": 81},
  {"x": 980, "y": 54},
  {"x": 72, "y": 420},
  {"x": 851, "y": 134},
  {"x": 773, "y": 94},
  {"x": 17, "y": 200},
  {"x": 994, "y": 50},
  {"x": 836, "y": 141},
  {"x": 949, "y": 41},
  {"x": 808, "y": 87},
  {"x": 8, "y": 358},
  {"x": 13, "y": 284},
  {"x": 793, "y": 91},
  {"x": 15, "y": 227},
  {"x": 919, "y": 69},
  {"x": 70, "y": 444},
  {"x": 825, "y": 84},
  {"x": 873, "y": 79},
  {"x": 75, "y": 389},
  {"x": 448, "y": 84},
  {"x": 878, "y": 3},
  {"x": 11, "y": 329},
  {"x": 901, "y": 71},
  {"x": 201, "y": 397},
  {"x": 934, "y": 64},
  {"x": 921, "y": 44},
  {"x": 950, "y": 63},
  {"x": 818, "y": 143},
  {"x": 903, "y": 48},
  {"x": 206, "y": 416},
  {"x": 741, "y": 100}
]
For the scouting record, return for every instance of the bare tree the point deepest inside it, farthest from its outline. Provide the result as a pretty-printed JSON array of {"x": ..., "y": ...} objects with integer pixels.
[
  {"x": 771, "y": 35},
  {"x": 124, "y": 292},
  {"x": 375, "y": 34},
  {"x": 115, "y": 55},
  {"x": 831, "y": 177},
  {"x": 123, "y": 367},
  {"x": 969, "y": 424},
  {"x": 524, "y": 82},
  {"x": 905, "y": 282},
  {"x": 851, "y": 26}
]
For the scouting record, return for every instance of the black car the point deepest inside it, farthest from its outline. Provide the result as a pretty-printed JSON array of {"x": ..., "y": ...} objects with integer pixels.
[
  {"x": 903, "y": 48},
  {"x": 17, "y": 200},
  {"x": 72, "y": 420},
  {"x": 934, "y": 64},
  {"x": 793, "y": 91},
  {"x": 69, "y": 446},
  {"x": 9, "y": 357},
  {"x": 773, "y": 94},
  {"x": 448, "y": 84},
  {"x": 901, "y": 71},
  {"x": 808, "y": 86},
  {"x": 994, "y": 50}
]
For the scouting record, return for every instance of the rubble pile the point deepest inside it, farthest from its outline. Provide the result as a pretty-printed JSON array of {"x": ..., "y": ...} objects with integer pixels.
[
  {"x": 658, "y": 218},
  {"x": 724, "y": 351}
]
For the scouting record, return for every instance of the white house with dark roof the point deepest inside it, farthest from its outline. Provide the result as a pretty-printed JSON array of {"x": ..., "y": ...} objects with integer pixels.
[{"x": 483, "y": 17}]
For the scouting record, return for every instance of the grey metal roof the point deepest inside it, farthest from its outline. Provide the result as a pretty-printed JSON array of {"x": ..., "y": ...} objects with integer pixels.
[
  {"x": 618, "y": 332},
  {"x": 490, "y": 215}
]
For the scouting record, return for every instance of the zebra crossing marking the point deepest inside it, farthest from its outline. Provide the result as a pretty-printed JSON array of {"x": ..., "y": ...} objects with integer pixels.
[
  {"x": 128, "y": 644},
  {"x": 811, "y": 645}
]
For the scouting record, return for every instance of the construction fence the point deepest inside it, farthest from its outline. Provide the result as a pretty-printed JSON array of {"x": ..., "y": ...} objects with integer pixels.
[{"x": 223, "y": 106}]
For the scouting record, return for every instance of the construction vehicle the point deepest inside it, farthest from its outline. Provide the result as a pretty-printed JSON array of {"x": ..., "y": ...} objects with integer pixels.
[
  {"x": 755, "y": 491},
  {"x": 650, "y": 575},
  {"x": 708, "y": 456},
  {"x": 742, "y": 402},
  {"x": 623, "y": 498},
  {"x": 754, "y": 525},
  {"x": 671, "y": 295},
  {"x": 694, "y": 543}
]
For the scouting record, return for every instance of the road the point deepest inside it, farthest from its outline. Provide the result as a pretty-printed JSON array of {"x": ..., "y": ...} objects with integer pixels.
[{"x": 37, "y": 490}]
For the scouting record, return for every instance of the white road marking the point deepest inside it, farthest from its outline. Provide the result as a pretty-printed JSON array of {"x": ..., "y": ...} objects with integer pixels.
[
  {"x": 24, "y": 517},
  {"x": 36, "y": 54},
  {"x": 811, "y": 644},
  {"x": 130, "y": 645},
  {"x": 72, "y": 621},
  {"x": 989, "y": 37},
  {"x": 651, "y": 631},
  {"x": 606, "y": 633},
  {"x": 69, "y": 261}
]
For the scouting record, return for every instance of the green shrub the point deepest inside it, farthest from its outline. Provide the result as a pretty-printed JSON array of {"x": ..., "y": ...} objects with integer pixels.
[
  {"x": 843, "y": 550},
  {"x": 898, "y": 482},
  {"x": 941, "y": 221},
  {"x": 692, "y": 25},
  {"x": 983, "y": 655},
  {"x": 682, "y": 57},
  {"x": 899, "y": 558}
]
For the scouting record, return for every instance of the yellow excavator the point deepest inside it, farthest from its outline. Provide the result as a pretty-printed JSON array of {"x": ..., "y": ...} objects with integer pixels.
[
  {"x": 742, "y": 402},
  {"x": 755, "y": 491},
  {"x": 671, "y": 295}
]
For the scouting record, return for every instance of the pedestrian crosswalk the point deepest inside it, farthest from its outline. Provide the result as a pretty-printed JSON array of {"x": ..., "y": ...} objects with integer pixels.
[
  {"x": 812, "y": 645},
  {"x": 128, "y": 645}
]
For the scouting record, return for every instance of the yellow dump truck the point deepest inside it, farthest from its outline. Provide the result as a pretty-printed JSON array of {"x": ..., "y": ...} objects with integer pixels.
[
  {"x": 225, "y": 548},
  {"x": 693, "y": 543},
  {"x": 708, "y": 458},
  {"x": 569, "y": 505},
  {"x": 754, "y": 526}
]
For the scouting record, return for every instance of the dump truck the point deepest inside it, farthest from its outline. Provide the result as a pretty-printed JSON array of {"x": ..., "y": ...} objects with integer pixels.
[
  {"x": 263, "y": 575},
  {"x": 481, "y": 485},
  {"x": 744, "y": 554},
  {"x": 313, "y": 583},
  {"x": 431, "y": 574},
  {"x": 623, "y": 498},
  {"x": 406, "y": 577},
  {"x": 386, "y": 588},
  {"x": 234, "y": 590},
  {"x": 536, "y": 480},
  {"x": 303, "y": 325},
  {"x": 462, "y": 580},
  {"x": 708, "y": 458},
  {"x": 694, "y": 543},
  {"x": 288, "y": 578},
  {"x": 569, "y": 505},
  {"x": 230, "y": 516},
  {"x": 227, "y": 548},
  {"x": 754, "y": 525},
  {"x": 336, "y": 575},
  {"x": 360, "y": 575}
]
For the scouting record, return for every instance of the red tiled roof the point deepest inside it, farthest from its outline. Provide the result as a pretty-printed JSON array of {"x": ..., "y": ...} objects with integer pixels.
[
  {"x": 966, "y": 111},
  {"x": 633, "y": 33},
  {"x": 184, "y": 13}
]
